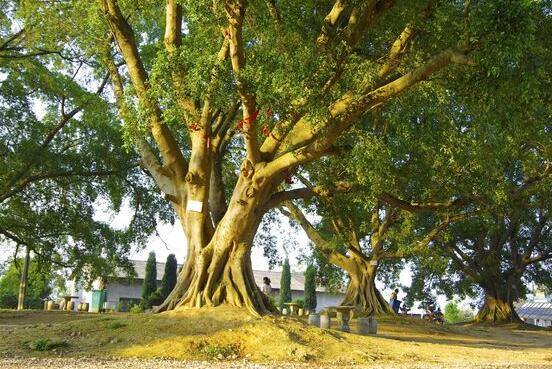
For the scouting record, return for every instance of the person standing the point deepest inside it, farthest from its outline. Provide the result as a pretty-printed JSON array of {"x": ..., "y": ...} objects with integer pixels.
[
  {"x": 266, "y": 289},
  {"x": 394, "y": 302}
]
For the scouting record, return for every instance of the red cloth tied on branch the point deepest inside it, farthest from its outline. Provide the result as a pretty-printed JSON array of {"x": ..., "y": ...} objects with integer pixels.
[
  {"x": 269, "y": 112},
  {"x": 194, "y": 127},
  {"x": 266, "y": 131},
  {"x": 249, "y": 120}
]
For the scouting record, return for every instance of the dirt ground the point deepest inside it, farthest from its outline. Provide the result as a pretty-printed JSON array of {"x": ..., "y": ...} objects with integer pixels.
[{"x": 229, "y": 337}]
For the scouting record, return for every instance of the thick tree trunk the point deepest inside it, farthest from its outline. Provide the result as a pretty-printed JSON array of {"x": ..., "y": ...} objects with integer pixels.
[
  {"x": 220, "y": 272},
  {"x": 362, "y": 291},
  {"x": 497, "y": 308},
  {"x": 23, "y": 281}
]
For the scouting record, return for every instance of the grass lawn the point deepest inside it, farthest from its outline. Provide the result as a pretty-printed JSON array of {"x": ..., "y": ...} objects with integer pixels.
[{"x": 226, "y": 333}]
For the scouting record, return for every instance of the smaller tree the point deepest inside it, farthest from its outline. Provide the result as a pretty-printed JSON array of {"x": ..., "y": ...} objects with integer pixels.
[
  {"x": 169, "y": 276},
  {"x": 41, "y": 278},
  {"x": 310, "y": 288},
  {"x": 454, "y": 314},
  {"x": 285, "y": 284},
  {"x": 150, "y": 279}
]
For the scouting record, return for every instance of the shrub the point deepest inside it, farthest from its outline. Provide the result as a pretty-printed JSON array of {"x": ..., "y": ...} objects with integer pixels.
[
  {"x": 300, "y": 303},
  {"x": 310, "y": 288},
  {"x": 156, "y": 298},
  {"x": 169, "y": 276},
  {"x": 136, "y": 309},
  {"x": 454, "y": 314},
  {"x": 45, "y": 344},
  {"x": 285, "y": 284},
  {"x": 116, "y": 325},
  {"x": 231, "y": 351},
  {"x": 150, "y": 279}
]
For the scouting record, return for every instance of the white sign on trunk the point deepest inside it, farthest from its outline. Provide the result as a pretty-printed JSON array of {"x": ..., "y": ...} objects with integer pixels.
[
  {"x": 194, "y": 205},
  {"x": 374, "y": 262}
]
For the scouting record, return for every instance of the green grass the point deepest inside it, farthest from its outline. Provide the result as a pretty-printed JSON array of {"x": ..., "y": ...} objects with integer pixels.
[{"x": 45, "y": 344}]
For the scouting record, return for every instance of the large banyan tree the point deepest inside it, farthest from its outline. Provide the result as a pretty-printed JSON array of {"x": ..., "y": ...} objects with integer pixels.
[{"x": 224, "y": 100}]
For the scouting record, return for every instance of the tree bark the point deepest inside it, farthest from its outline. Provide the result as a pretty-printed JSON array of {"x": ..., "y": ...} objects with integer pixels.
[
  {"x": 497, "y": 308},
  {"x": 362, "y": 291},
  {"x": 24, "y": 279},
  {"x": 220, "y": 272}
]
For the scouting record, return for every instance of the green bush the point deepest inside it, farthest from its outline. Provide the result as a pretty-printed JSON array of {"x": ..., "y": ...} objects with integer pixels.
[
  {"x": 136, "y": 309},
  {"x": 454, "y": 314},
  {"x": 38, "y": 285},
  {"x": 8, "y": 301},
  {"x": 285, "y": 284},
  {"x": 150, "y": 280},
  {"x": 310, "y": 288},
  {"x": 169, "y": 276},
  {"x": 156, "y": 298},
  {"x": 45, "y": 344},
  {"x": 300, "y": 303},
  {"x": 231, "y": 351},
  {"x": 116, "y": 325}
]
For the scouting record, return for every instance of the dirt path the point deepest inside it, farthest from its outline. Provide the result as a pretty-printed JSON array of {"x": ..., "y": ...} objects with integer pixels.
[{"x": 88, "y": 363}]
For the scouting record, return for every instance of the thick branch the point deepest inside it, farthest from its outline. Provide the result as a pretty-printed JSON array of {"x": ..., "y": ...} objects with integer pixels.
[
  {"x": 235, "y": 13},
  {"x": 149, "y": 159},
  {"x": 322, "y": 244},
  {"x": 173, "y": 27},
  {"x": 164, "y": 138},
  {"x": 345, "y": 111},
  {"x": 306, "y": 193}
]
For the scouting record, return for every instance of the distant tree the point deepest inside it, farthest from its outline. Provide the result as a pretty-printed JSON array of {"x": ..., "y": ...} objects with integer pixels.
[
  {"x": 285, "y": 284},
  {"x": 62, "y": 155},
  {"x": 169, "y": 277},
  {"x": 454, "y": 314},
  {"x": 40, "y": 282},
  {"x": 150, "y": 279},
  {"x": 310, "y": 288}
]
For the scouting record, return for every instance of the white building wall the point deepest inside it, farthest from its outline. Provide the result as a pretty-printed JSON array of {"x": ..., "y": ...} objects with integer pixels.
[
  {"x": 119, "y": 289},
  {"x": 323, "y": 299}
]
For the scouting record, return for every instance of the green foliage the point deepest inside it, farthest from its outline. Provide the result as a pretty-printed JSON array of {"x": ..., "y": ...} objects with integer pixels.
[
  {"x": 45, "y": 344},
  {"x": 116, "y": 325},
  {"x": 219, "y": 352},
  {"x": 136, "y": 309},
  {"x": 63, "y": 155},
  {"x": 300, "y": 303},
  {"x": 169, "y": 276},
  {"x": 475, "y": 133},
  {"x": 149, "y": 285},
  {"x": 453, "y": 313},
  {"x": 156, "y": 298},
  {"x": 40, "y": 281},
  {"x": 310, "y": 288},
  {"x": 285, "y": 284}
]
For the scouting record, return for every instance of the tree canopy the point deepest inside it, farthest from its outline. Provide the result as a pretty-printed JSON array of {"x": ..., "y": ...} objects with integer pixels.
[
  {"x": 226, "y": 102},
  {"x": 64, "y": 158}
]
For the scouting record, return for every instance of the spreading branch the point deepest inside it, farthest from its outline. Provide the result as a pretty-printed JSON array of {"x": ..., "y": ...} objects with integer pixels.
[{"x": 124, "y": 36}]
